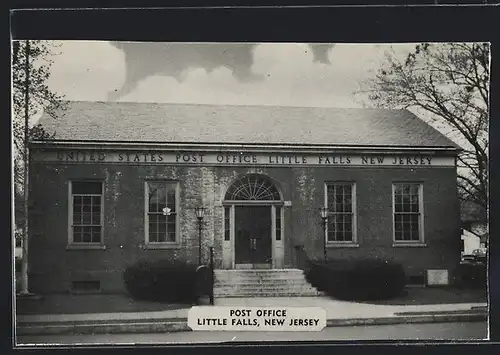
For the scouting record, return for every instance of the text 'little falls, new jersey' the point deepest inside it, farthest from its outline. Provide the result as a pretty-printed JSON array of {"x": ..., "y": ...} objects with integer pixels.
[{"x": 257, "y": 318}]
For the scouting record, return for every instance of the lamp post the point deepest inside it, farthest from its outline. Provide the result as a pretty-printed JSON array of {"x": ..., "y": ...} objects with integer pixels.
[
  {"x": 324, "y": 217},
  {"x": 200, "y": 213},
  {"x": 212, "y": 278}
]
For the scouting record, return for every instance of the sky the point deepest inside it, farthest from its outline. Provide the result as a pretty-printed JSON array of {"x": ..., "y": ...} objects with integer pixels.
[
  {"x": 284, "y": 74},
  {"x": 288, "y": 74}
]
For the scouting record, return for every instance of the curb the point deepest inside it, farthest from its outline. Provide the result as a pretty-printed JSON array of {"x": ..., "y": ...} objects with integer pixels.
[
  {"x": 180, "y": 325},
  {"x": 170, "y": 326},
  {"x": 414, "y": 319}
]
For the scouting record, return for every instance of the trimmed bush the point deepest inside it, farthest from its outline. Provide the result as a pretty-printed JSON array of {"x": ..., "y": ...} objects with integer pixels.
[
  {"x": 358, "y": 280},
  {"x": 473, "y": 275},
  {"x": 163, "y": 281}
]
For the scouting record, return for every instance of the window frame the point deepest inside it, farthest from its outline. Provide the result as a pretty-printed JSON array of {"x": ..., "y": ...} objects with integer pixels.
[
  {"x": 166, "y": 244},
  {"x": 278, "y": 230},
  {"x": 84, "y": 245},
  {"x": 354, "y": 213},
  {"x": 421, "y": 234},
  {"x": 227, "y": 223}
]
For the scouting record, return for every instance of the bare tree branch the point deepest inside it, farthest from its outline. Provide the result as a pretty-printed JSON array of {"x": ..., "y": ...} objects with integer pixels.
[{"x": 451, "y": 82}]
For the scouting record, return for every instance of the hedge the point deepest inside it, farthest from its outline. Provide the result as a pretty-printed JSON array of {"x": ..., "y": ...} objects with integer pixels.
[
  {"x": 358, "y": 280},
  {"x": 473, "y": 275},
  {"x": 163, "y": 281}
]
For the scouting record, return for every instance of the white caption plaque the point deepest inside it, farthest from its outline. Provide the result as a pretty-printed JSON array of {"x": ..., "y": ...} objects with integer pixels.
[{"x": 302, "y": 319}]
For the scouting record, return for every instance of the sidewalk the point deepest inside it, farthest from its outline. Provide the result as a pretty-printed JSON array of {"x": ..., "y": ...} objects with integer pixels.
[{"x": 339, "y": 313}]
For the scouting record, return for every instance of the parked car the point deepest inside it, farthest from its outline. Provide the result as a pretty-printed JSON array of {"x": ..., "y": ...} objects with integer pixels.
[
  {"x": 480, "y": 254},
  {"x": 468, "y": 258}
]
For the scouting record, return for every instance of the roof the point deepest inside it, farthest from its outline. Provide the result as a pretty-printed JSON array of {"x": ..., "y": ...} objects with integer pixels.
[{"x": 196, "y": 123}]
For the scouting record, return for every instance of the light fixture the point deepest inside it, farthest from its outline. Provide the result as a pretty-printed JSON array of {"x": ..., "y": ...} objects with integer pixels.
[
  {"x": 200, "y": 212},
  {"x": 324, "y": 212}
]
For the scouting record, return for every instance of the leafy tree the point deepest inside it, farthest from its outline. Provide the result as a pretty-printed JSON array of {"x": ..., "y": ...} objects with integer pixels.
[
  {"x": 31, "y": 62},
  {"x": 40, "y": 96},
  {"x": 450, "y": 82},
  {"x": 41, "y": 99}
]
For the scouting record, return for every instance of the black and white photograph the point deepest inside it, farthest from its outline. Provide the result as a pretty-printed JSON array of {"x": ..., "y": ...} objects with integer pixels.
[{"x": 215, "y": 192}]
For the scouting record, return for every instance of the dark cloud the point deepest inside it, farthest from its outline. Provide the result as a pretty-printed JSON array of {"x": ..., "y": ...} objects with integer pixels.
[{"x": 144, "y": 59}]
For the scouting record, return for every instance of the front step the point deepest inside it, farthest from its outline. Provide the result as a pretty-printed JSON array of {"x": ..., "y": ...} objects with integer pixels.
[{"x": 262, "y": 283}]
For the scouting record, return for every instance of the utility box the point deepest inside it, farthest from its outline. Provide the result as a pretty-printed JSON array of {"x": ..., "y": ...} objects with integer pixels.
[{"x": 438, "y": 277}]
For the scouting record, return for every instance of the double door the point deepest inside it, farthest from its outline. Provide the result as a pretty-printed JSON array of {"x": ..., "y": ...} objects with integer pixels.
[{"x": 253, "y": 236}]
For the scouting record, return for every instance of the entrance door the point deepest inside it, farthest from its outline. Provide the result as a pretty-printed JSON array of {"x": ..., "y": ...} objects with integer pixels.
[{"x": 253, "y": 247}]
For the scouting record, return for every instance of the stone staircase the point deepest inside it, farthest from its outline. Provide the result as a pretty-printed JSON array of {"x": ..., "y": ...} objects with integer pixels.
[{"x": 262, "y": 283}]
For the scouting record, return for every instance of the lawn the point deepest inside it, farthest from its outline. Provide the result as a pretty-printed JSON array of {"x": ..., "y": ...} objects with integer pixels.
[
  {"x": 430, "y": 295},
  {"x": 90, "y": 303}
]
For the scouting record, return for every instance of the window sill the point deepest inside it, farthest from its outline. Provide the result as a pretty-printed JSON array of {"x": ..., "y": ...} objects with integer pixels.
[
  {"x": 86, "y": 247},
  {"x": 342, "y": 245},
  {"x": 153, "y": 246},
  {"x": 409, "y": 245}
]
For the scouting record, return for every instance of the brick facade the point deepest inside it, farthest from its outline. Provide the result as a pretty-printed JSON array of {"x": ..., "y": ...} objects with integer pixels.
[{"x": 53, "y": 267}]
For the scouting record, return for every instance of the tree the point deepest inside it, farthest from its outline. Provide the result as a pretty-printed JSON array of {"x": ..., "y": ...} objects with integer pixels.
[
  {"x": 450, "y": 82},
  {"x": 41, "y": 98},
  {"x": 30, "y": 95}
]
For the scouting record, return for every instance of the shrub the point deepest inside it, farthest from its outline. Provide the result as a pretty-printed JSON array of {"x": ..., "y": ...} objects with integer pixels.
[
  {"x": 473, "y": 275},
  {"x": 358, "y": 280},
  {"x": 162, "y": 280}
]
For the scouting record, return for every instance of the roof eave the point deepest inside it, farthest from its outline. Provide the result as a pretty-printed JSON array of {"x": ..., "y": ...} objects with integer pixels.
[{"x": 72, "y": 144}]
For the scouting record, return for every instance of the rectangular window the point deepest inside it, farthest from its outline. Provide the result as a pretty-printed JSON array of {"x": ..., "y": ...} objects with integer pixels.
[
  {"x": 278, "y": 223},
  {"x": 407, "y": 212},
  {"x": 340, "y": 200},
  {"x": 227, "y": 218},
  {"x": 162, "y": 225},
  {"x": 86, "y": 212}
]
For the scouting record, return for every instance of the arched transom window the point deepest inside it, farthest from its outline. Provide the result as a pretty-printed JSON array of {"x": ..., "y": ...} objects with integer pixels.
[{"x": 253, "y": 188}]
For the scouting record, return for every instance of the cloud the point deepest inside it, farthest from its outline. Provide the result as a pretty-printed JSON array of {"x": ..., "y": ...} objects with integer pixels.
[
  {"x": 86, "y": 70},
  {"x": 145, "y": 59},
  {"x": 217, "y": 73},
  {"x": 291, "y": 75}
]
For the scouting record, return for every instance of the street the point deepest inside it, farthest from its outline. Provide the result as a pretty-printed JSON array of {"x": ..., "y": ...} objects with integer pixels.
[{"x": 433, "y": 331}]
